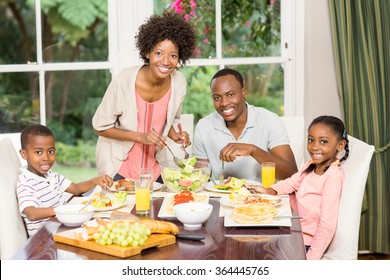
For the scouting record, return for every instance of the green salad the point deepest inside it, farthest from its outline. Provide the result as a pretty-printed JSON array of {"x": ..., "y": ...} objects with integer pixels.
[{"x": 187, "y": 178}]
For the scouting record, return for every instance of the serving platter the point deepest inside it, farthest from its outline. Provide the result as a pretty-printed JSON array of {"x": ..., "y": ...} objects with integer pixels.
[
  {"x": 210, "y": 186},
  {"x": 166, "y": 209},
  {"x": 283, "y": 210}
]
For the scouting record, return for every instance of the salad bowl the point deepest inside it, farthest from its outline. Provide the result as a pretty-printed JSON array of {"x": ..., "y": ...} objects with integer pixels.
[{"x": 192, "y": 177}]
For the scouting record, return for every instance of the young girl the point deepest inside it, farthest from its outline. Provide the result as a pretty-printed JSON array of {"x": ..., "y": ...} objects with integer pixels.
[
  {"x": 318, "y": 184},
  {"x": 142, "y": 102}
]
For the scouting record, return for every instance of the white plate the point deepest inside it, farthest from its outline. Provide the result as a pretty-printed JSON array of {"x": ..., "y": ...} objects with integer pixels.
[
  {"x": 156, "y": 186},
  {"x": 283, "y": 210},
  {"x": 166, "y": 213},
  {"x": 225, "y": 200},
  {"x": 113, "y": 207},
  {"x": 84, "y": 200},
  {"x": 210, "y": 186}
]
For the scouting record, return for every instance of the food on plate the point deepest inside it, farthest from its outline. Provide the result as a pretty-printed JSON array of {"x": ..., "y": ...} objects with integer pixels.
[
  {"x": 270, "y": 199},
  {"x": 231, "y": 183},
  {"x": 108, "y": 201},
  {"x": 124, "y": 185},
  {"x": 257, "y": 213},
  {"x": 184, "y": 197},
  {"x": 242, "y": 196},
  {"x": 192, "y": 176}
]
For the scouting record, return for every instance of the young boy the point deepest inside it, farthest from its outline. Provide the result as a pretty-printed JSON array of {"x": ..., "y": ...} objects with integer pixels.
[{"x": 39, "y": 189}]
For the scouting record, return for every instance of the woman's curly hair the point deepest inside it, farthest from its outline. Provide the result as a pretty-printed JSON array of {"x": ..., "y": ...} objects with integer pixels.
[{"x": 168, "y": 25}]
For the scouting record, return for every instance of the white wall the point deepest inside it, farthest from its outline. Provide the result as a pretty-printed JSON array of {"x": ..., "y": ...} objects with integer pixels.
[{"x": 321, "y": 96}]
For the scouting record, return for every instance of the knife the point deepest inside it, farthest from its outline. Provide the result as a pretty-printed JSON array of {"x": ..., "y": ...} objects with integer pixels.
[{"x": 190, "y": 236}]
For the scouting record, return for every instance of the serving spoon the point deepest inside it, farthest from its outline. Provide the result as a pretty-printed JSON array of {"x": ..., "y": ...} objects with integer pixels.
[{"x": 178, "y": 162}]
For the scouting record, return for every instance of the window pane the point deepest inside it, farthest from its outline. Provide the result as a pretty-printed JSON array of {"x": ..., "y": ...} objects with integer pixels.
[
  {"x": 250, "y": 28},
  {"x": 264, "y": 85},
  {"x": 17, "y": 32},
  {"x": 71, "y": 100},
  {"x": 198, "y": 99},
  {"x": 202, "y": 15},
  {"x": 75, "y": 33},
  {"x": 19, "y": 101}
]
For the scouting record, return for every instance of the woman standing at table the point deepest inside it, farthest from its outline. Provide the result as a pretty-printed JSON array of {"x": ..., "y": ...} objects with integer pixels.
[{"x": 142, "y": 103}]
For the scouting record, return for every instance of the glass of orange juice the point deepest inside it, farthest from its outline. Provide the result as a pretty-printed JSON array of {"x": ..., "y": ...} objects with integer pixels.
[
  {"x": 267, "y": 174},
  {"x": 142, "y": 197},
  {"x": 146, "y": 177}
]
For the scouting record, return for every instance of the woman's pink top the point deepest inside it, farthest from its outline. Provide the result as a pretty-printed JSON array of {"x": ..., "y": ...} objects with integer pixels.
[
  {"x": 317, "y": 198},
  {"x": 149, "y": 115}
]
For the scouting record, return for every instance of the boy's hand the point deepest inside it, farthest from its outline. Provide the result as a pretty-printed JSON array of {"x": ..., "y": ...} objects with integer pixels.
[{"x": 105, "y": 181}]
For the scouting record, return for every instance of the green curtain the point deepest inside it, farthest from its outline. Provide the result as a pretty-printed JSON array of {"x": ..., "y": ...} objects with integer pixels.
[{"x": 361, "y": 41}]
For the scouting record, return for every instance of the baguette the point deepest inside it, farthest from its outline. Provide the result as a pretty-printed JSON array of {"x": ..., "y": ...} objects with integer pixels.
[{"x": 160, "y": 226}]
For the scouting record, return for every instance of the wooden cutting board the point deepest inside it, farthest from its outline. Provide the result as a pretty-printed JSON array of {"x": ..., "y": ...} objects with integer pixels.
[{"x": 71, "y": 237}]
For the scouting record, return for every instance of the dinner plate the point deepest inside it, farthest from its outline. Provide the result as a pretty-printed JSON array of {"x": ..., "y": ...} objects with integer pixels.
[
  {"x": 156, "y": 186},
  {"x": 283, "y": 210},
  {"x": 225, "y": 200},
  {"x": 166, "y": 209},
  {"x": 210, "y": 186},
  {"x": 84, "y": 200},
  {"x": 113, "y": 207}
]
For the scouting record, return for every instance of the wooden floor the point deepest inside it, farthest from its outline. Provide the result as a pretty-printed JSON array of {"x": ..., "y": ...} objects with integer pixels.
[{"x": 373, "y": 256}]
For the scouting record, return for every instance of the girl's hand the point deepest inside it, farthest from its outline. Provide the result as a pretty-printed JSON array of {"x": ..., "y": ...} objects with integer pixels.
[
  {"x": 257, "y": 189},
  {"x": 262, "y": 190}
]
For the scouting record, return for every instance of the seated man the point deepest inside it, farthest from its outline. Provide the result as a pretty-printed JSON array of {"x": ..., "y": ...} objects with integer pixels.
[{"x": 241, "y": 135}]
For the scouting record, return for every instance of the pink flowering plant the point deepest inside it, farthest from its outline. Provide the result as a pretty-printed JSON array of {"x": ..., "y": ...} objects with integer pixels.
[{"x": 248, "y": 27}]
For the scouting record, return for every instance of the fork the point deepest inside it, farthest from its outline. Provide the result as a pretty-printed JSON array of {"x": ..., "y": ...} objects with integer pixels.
[
  {"x": 221, "y": 176},
  {"x": 177, "y": 161},
  {"x": 186, "y": 155},
  {"x": 103, "y": 193}
]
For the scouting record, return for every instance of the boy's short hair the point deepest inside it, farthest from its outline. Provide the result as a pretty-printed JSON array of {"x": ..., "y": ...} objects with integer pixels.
[{"x": 34, "y": 130}]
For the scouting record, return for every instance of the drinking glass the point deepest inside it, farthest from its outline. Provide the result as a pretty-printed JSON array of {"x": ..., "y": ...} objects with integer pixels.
[
  {"x": 146, "y": 177},
  {"x": 142, "y": 197},
  {"x": 267, "y": 174}
]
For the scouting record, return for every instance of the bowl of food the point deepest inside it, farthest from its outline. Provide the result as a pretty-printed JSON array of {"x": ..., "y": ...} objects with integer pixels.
[
  {"x": 192, "y": 177},
  {"x": 70, "y": 214},
  {"x": 193, "y": 214}
]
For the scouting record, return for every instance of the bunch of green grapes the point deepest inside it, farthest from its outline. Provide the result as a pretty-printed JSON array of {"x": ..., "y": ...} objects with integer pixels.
[{"x": 122, "y": 233}]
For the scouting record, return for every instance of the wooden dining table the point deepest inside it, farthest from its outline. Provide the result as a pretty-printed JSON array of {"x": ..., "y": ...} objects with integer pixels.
[{"x": 220, "y": 242}]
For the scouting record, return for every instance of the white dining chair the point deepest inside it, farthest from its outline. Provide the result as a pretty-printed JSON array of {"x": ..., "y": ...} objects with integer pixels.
[
  {"x": 13, "y": 234},
  {"x": 344, "y": 245},
  {"x": 295, "y": 127}
]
